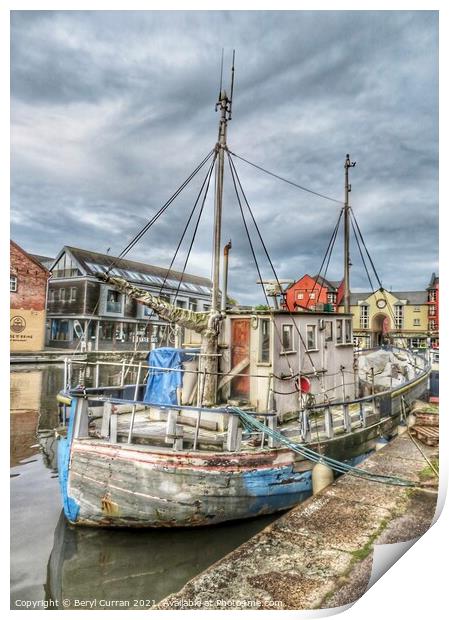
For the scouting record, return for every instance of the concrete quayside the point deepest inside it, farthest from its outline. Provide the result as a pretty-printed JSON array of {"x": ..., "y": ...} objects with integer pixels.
[{"x": 320, "y": 553}]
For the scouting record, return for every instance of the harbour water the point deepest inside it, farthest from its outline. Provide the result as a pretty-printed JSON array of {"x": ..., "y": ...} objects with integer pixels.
[{"x": 52, "y": 561}]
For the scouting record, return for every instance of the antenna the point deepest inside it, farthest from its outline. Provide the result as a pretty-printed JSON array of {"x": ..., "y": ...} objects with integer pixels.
[
  {"x": 221, "y": 74},
  {"x": 232, "y": 84}
]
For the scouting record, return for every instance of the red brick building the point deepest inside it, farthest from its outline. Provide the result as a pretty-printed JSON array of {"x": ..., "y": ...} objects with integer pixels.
[
  {"x": 313, "y": 293},
  {"x": 28, "y": 287},
  {"x": 433, "y": 311}
]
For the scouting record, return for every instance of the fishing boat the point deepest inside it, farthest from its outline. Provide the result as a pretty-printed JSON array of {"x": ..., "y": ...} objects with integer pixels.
[{"x": 233, "y": 422}]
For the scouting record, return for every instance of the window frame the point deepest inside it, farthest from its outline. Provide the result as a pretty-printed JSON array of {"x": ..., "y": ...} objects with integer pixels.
[
  {"x": 13, "y": 279},
  {"x": 315, "y": 332},
  {"x": 260, "y": 347},
  {"x": 287, "y": 327}
]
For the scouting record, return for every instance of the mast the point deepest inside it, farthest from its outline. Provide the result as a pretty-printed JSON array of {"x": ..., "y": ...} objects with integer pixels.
[
  {"x": 224, "y": 105},
  {"x": 348, "y": 164}
]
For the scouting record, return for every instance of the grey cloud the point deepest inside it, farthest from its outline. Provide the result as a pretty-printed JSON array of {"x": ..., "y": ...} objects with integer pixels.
[{"x": 112, "y": 110}]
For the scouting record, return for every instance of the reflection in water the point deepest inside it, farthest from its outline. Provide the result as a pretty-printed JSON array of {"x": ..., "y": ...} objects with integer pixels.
[
  {"x": 52, "y": 560},
  {"x": 89, "y": 563}
]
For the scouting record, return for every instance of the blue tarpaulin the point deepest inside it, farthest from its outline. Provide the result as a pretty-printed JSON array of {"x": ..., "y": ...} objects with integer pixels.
[{"x": 162, "y": 384}]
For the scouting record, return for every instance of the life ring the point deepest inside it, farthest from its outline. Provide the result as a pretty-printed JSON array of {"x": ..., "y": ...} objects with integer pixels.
[{"x": 303, "y": 385}]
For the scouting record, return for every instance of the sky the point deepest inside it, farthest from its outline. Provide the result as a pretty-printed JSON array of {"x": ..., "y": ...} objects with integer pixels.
[{"x": 112, "y": 110}]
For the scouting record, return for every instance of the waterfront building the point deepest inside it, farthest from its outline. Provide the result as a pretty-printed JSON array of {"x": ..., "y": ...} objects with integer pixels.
[
  {"x": 433, "y": 304},
  {"x": 399, "y": 318},
  {"x": 313, "y": 293},
  {"x": 27, "y": 286},
  {"x": 85, "y": 313},
  {"x": 402, "y": 318}
]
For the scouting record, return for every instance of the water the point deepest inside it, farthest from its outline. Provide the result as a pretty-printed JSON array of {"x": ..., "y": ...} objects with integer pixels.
[{"x": 52, "y": 561}]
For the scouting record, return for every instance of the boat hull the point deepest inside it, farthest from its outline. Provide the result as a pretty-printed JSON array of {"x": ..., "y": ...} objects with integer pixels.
[{"x": 126, "y": 485}]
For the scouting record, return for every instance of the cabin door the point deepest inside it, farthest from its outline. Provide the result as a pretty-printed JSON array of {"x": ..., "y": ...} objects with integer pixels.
[{"x": 240, "y": 330}]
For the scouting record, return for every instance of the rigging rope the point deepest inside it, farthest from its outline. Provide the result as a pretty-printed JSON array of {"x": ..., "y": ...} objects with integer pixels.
[
  {"x": 251, "y": 423},
  {"x": 155, "y": 217},
  {"x": 277, "y": 176}
]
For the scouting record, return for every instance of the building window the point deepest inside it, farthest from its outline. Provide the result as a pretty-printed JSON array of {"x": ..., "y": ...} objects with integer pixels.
[
  {"x": 287, "y": 338},
  {"x": 311, "y": 295},
  {"x": 348, "y": 331},
  {"x": 339, "y": 331},
  {"x": 311, "y": 337},
  {"x": 264, "y": 341},
  {"x": 416, "y": 322},
  {"x": 206, "y": 307},
  {"x": 432, "y": 325},
  {"x": 432, "y": 296},
  {"x": 364, "y": 317},
  {"x": 416, "y": 309},
  {"x": 62, "y": 294},
  {"x": 180, "y": 303},
  {"x": 432, "y": 311},
  {"x": 328, "y": 331},
  {"x": 59, "y": 330},
  {"x": 51, "y": 295},
  {"x": 331, "y": 298},
  {"x": 13, "y": 284},
  {"x": 417, "y": 343},
  {"x": 72, "y": 296},
  {"x": 399, "y": 316},
  {"x": 65, "y": 268},
  {"x": 193, "y": 305},
  {"x": 300, "y": 296},
  {"x": 113, "y": 301}
]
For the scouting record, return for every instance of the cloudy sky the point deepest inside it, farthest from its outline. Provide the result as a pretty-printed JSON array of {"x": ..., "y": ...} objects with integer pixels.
[{"x": 111, "y": 111}]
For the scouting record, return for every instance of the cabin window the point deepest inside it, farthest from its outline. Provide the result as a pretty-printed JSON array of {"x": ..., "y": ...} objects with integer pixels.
[
  {"x": 348, "y": 331},
  {"x": 311, "y": 337},
  {"x": 107, "y": 330},
  {"x": 59, "y": 330},
  {"x": 72, "y": 296},
  {"x": 113, "y": 301},
  {"x": 13, "y": 284},
  {"x": 287, "y": 338},
  {"x": 339, "y": 331},
  {"x": 328, "y": 331},
  {"x": 264, "y": 341}
]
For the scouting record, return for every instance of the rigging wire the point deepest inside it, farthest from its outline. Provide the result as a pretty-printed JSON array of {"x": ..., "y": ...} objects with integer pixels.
[
  {"x": 233, "y": 168},
  {"x": 277, "y": 176},
  {"x": 329, "y": 250},
  {"x": 209, "y": 175},
  {"x": 156, "y": 216}
]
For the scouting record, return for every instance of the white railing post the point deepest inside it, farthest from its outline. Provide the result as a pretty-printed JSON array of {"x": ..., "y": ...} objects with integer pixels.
[
  {"x": 133, "y": 413},
  {"x": 328, "y": 423}
]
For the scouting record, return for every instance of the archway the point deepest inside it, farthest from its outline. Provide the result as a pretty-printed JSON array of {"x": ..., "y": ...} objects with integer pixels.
[{"x": 380, "y": 327}]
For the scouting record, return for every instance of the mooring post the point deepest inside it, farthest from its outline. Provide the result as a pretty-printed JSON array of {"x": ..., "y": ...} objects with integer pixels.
[
  {"x": 347, "y": 418},
  {"x": 197, "y": 429},
  {"x": 272, "y": 425},
  {"x": 328, "y": 423},
  {"x": 97, "y": 374},
  {"x": 170, "y": 430},
  {"x": 105, "y": 422},
  {"x": 179, "y": 437},
  {"x": 305, "y": 426},
  {"x": 232, "y": 434},
  {"x": 133, "y": 413},
  {"x": 113, "y": 427}
]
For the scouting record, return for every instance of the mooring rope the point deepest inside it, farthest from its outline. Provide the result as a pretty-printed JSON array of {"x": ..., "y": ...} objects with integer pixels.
[{"x": 251, "y": 423}]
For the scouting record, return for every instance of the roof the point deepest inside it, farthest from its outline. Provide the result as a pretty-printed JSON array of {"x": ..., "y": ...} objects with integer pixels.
[
  {"x": 46, "y": 261},
  {"x": 434, "y": 281},
  {"x": 93, "y": 263},
  {"x": 30, "y": 256},
  {"x": 331, "y": 285},
  {"x": 413, "y": 297}
]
